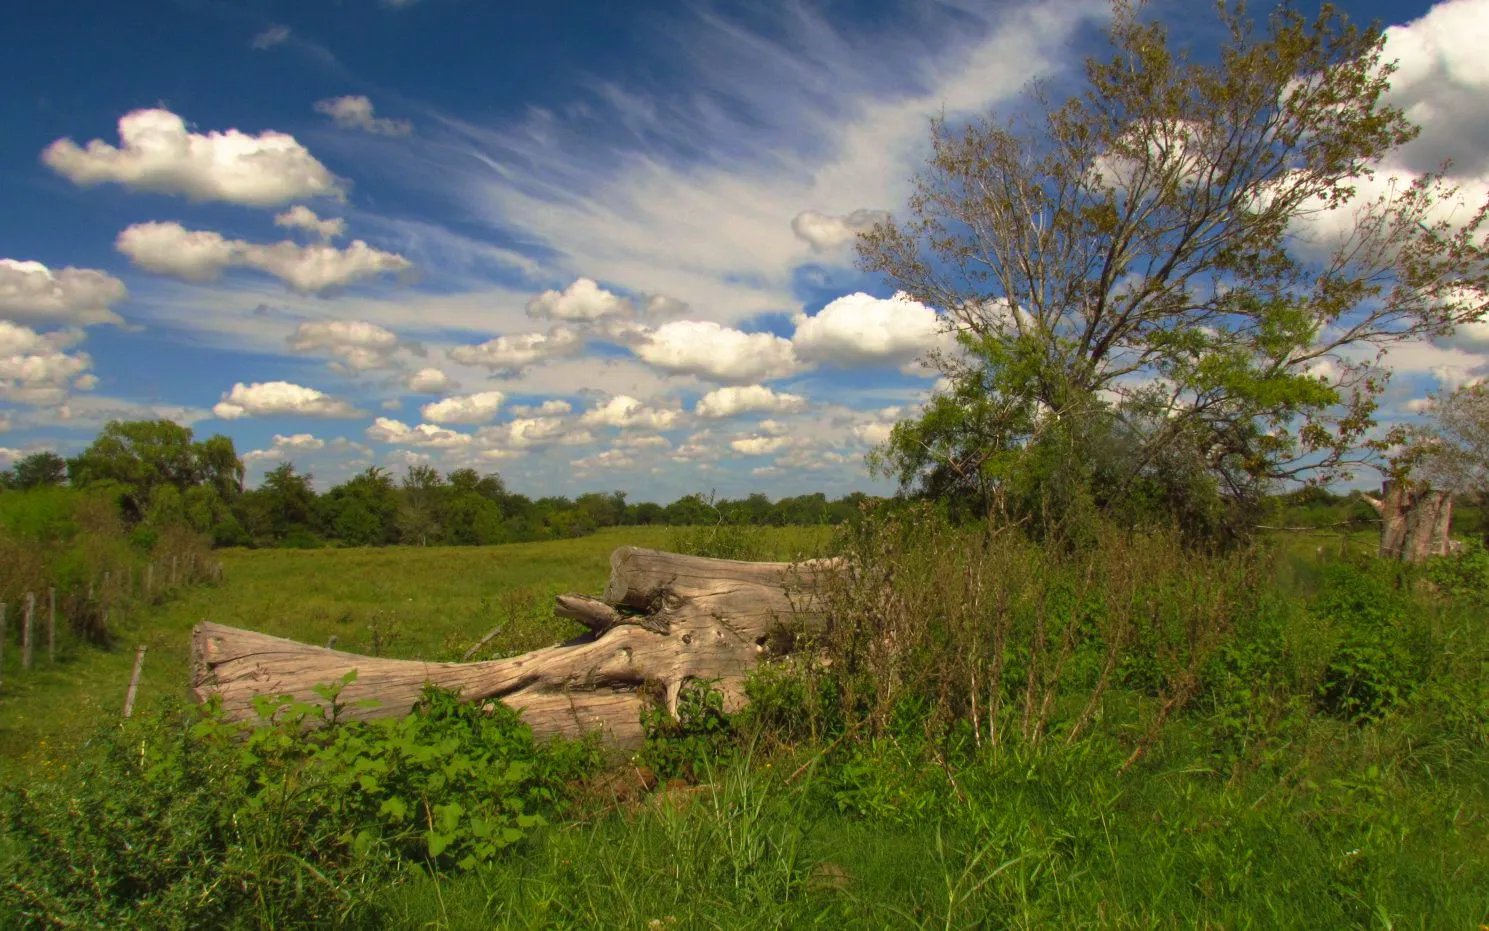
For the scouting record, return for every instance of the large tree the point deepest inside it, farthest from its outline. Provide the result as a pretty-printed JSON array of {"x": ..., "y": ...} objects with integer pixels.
[
  {"x": 1177, "y": 284},
  {"x": 144, "y": 455}
]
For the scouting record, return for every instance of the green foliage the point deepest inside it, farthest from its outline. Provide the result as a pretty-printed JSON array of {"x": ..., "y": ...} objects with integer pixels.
[
  {"x": 142, "y": 456},
  {"x": 186, "y": 820},
  {"x": 694, "y": 742},
  {"x": 1372, "y": 669},
  {"x": 1463, "y": 576}
]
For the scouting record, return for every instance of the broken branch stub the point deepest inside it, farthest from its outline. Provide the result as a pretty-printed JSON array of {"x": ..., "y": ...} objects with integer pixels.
[{"x": 664, "y": 618}]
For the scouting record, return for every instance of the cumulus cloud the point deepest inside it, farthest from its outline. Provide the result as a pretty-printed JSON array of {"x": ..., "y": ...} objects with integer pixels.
[
  {"x": 528, "y": 432},
  {"x": 509, "y": 355},
  {"x": 549, "y": 408},
  {"x": 718, "y": 353},
  {"x": 1470, "y": 337},
  {"x": 36, "y": 370},
  {"x": 860, "y": 330},
  {"x": 428, "y": 381},
  {"x": 301, "y": 217},
  {"x": 202, "y": 255},
  {"x": 1443, "y": 85},
  {"x": 825, "y": 233},
  {"x": 262, "y": 399},
  {"x": 158, "y": 154},
  {"x": 469, "y": 408},
  {"x": 584, "y": 300},
  {"x": 629, "y": 413},
  {"x": 354, "y": 345},
  {"x": 397, "y": 433},
  {"x": 758, "y": 445},
  {"x": 356, "y": 112},
  {"x": 32, "y": 293},
  {"x": 749, "y": 399},
  {"x": 282, "y": 445}
]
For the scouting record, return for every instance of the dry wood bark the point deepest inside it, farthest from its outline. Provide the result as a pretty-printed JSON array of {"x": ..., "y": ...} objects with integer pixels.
[
  {"x": 1415, "y": 521},
  {"x": 663, "y": 619}
]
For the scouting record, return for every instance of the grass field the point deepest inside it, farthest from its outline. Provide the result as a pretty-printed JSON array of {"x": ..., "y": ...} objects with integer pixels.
[
  {"x": 1318, "y": 824},
  {"x": 405, "y": 602}
]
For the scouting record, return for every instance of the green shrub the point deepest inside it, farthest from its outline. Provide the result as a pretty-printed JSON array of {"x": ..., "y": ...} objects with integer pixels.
[
  {"x": 187, "y": 820},
  {"x": 1372, "y": 668},
  {"x": 1463, "y": 576},
  {"x": 697, "y": 739}
]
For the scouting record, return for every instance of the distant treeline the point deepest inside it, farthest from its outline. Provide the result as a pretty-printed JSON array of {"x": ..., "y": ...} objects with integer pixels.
[{"x": 162, "y": 477}]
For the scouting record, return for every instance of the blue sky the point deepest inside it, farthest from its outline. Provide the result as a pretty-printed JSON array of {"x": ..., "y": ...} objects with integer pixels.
[{"x": 587, "y": 245}]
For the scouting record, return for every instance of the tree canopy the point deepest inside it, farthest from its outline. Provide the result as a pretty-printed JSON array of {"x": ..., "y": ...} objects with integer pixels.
[{"x": 1176, "y": 285}]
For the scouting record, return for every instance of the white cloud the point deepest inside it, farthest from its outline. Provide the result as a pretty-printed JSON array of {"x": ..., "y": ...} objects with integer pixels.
[
  {"x": 860, "y": 330},
  {"x": 158, "y": 154},
  {"x": 469, "y": 408},
  {"x": 202, "y": 255},
  {"x": 731, "y": 401},
  {"x": 825, "y": 233},
  {"x": 356, "y": 112},
  {"x": 262, "y": 399},
  {"x": 354, "y": 345},
  {"x": 1470, "y": 337},
  {"x": 549, "y": 408},
  {"x": 606, "y": 459},
  {"x": 36, "y": 370},
  {"x": 299, "y": 441},
  {"x": 1443, "y": 85},
  {"x": 629, "y": 413},
  {"x": 301, "y": 217},
  {"x": 693, "y": 195},
  {"x": 270, "y": 37},
  {"x": 283, "y": 445},
  {"x": 32, "y": 293},
  {"x": 397, "y": 433},
  {"x": 759, "y": 445},
  {"x": 428, "y": 381},
  {"x": 527, "y": 432},
  {"x": 584, "y": 300},
  {"x": 509, "y": 355},
  {"x": 718, "y": 353},
  {"x": 872, "y": 434}
]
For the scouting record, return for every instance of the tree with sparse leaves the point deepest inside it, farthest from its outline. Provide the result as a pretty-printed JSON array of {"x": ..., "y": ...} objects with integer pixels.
[
  {"x": 1451, "y": 451},
  {"x": 1173, "y": 286}
]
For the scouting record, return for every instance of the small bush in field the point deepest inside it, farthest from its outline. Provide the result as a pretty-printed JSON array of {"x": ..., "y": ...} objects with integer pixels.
[
  {"x": 1372, "y": 669},
  {"x": 1463, "y": 576},
  {"x": 699, "y": 737},
  {"x": 187, "y": 820}
]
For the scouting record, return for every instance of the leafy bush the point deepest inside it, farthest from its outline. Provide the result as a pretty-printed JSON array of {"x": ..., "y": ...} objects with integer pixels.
[
  {"x": 1372, "y": 668},
  {"x": 686, "y": 746},
  {"x": 1463, "y": 576},
  {"x": 187, "y": 820}
]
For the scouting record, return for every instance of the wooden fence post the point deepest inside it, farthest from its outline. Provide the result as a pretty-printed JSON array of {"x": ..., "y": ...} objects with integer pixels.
[
  {"x": 26, "y": 630},
  {"x": 134, "y": 681},
  {"x": 52, "y": 625}
]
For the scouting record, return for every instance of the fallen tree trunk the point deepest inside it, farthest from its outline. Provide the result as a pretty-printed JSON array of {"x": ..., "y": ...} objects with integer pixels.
[{"x": 663, "y": 619}]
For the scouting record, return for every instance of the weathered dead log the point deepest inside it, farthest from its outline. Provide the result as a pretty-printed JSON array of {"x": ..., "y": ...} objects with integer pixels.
[
  {"x": 664, "y": 619},
  {"x": 1415, "y": 521}
]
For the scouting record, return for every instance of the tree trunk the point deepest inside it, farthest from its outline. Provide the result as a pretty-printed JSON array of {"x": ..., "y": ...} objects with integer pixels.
[
  {"x": 663, "y": 619},
  {"x": 1415, "y": 521}
]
